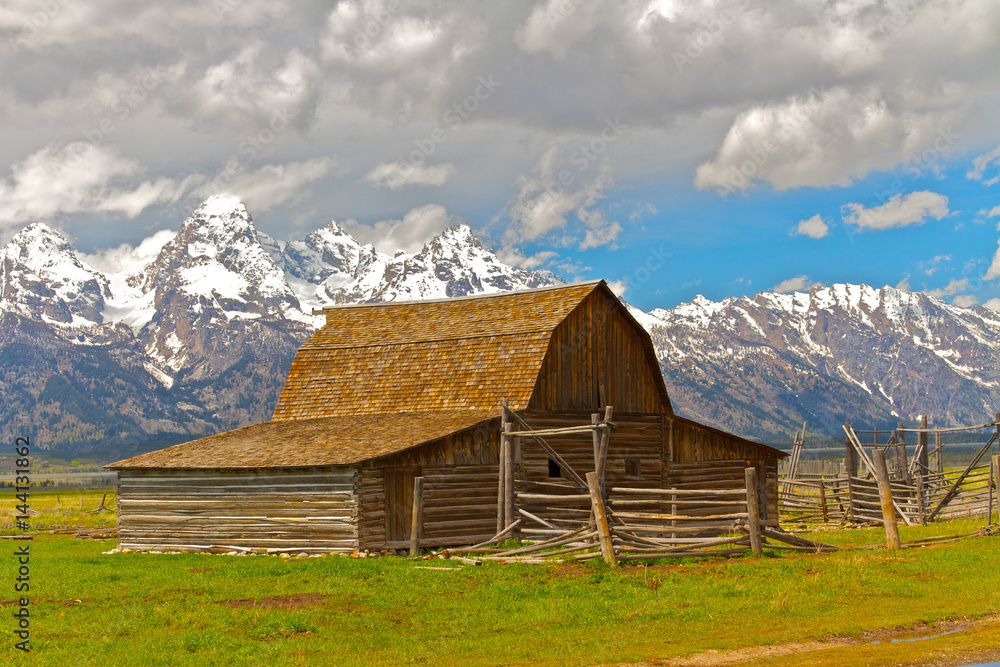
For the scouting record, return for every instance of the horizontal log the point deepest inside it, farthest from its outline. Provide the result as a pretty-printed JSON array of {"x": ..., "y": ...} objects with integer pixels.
[{"x": 679, "y": 492}]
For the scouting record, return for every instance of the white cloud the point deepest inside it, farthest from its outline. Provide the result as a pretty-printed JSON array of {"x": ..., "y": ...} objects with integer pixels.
[
  {"x": 410, "y": 234},
  {"x": 556, "y": 26},
  {"x": 796, "y": 284},
  {"x": 815, "y": 227},
  {"x": 827, "y": 138},
  {"x": 993, "y": 304},
  {"x": 904, "y": 284},
  {"x": 397, "y": 175},
  {"x": 965, "y": 301},
  {"x": 80, "y": 177},
  {"x": 994, "y": 271},
  {"x": 619, "y": 287},
  {"x": 513, "y": 257},
  {"x": 954, "y": 286},
  {"x": 899, "y": 211},
  {"x": 543, "y": 205},
  {"x": 126, "y": 256},
  {"x": 979, "y": 166},
  {"x": 272, "y": 184},
  {"x": 992, "y": 213}
]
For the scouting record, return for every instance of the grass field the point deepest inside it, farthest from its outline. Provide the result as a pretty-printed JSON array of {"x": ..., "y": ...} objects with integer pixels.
[{"x": 196, "y": 609}]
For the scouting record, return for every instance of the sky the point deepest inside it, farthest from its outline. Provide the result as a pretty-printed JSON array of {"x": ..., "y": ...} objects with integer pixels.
[{"x": 672, "y": 148}]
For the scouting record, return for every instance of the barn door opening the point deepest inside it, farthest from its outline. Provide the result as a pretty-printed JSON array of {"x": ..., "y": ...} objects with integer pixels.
[{"x": 399, "y": 503}]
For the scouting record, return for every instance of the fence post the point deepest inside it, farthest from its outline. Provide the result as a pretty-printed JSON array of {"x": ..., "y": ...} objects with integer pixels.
[
  {"x": 508, "y": 475},
  {"x": 417, "y": 515},
  {"x": 501, "y": 519},
  {"x": 822, "y": 501},
  {"x": 885, "y": 497},
  {"x": 851, "y": 463},
  {"x": 996, "y": 483},
  {"x": 601, "y": 519},
  {"x": 753, "y": 513}
]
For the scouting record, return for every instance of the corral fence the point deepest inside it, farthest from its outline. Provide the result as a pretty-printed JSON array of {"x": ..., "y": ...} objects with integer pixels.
[
  {"x": 918, "y": 486},
  {"x": 713, "y": 508}
]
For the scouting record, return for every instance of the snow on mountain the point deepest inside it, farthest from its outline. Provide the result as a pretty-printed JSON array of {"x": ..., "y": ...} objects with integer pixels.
[
  {"x": 200, "y": 338},
  {"x": 760, "y": 364},
  {"x": 43, "y": 279}
]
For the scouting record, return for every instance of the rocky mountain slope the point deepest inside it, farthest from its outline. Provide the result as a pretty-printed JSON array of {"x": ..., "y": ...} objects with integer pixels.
[
  {"x": 760, "y": 365},
  {"x": 200, "y": 339}
]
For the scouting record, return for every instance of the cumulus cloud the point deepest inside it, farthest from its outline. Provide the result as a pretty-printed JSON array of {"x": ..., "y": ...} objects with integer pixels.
[
  {"x": 965, "y": 301},
  {"x": 514, "y": 257},
  {"x": 796, "y": 284},
  {"x": 954, "y": 286},
  {"x": 619, "y": 287},
  {"x": 397, "y": 175},
  {"x": 81, "y": 177},
  {"x": 993, "y": 272},
  {"x": 899, "y": 211},
  {"x": 410, "y": 234},
  {"x": 815, "y": 227},
  {"x": 993, "y": 304},
  {"x": 272, "y": 184},
  {"x": 126, "y": 256},
  {"x": 979, "y": 166},
  {"x": 543, "y": 205}
]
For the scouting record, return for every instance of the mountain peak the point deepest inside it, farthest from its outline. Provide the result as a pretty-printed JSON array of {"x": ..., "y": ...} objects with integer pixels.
[{"x": 220, "y": 205}]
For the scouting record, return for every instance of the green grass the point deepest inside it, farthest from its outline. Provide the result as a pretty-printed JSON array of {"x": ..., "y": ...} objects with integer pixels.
[
  {"x": 140, "y": 609},
  {"x": 59, "y": 509}
]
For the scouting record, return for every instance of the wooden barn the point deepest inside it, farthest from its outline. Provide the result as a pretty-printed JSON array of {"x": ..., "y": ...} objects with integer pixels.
[{"x": 386, "y": 393}]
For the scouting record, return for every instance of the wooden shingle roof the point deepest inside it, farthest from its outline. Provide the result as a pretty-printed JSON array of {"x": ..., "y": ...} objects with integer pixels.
[
  {"x": 310, "y": 442},
  {"x": 454, "y": 354}
]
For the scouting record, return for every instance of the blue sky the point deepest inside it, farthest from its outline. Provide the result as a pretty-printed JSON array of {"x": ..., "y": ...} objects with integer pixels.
[{"x": 668, "y": 146}]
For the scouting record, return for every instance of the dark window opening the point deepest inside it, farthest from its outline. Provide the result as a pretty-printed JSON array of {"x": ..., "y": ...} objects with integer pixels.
[
  {"x": 554, "y": 469},
  {"x": 632, "y": 467}
]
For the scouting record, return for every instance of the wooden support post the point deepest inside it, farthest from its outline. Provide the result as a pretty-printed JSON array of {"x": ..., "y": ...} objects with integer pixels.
[
  {"x": 753, "y": 516},
  {"x": 601, "y": 520},
  {"x": 921, "y": 508},
  {"x": 938, "y": 456},
  {"x": 996, "y": 482},
  {"x": 923, "y": 460},
  {"x": 885, "y": 497},
  {"x": 902, "y": 468},
  {"x": 595, "y": 433},
  {"x": 501, "y": 519},
  {"x": 822, "y": 502},
  {"x": 605, "y": 444},
  {"x": 508, "y": 476},
  {"x": 851, "y": 463},
  {"x": 417, "y": 515}
]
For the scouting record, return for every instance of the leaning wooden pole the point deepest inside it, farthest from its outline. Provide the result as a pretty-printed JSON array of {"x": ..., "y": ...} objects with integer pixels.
[
  {"x": 601, "y": 519},
  {"x": 417, "y": 515},
  {"x": 753, "y": 512},
  {"x": 885, "y": 497}
]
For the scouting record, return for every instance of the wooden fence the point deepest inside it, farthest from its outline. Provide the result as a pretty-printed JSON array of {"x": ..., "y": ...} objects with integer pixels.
[
  {"x": 920, "y": 488},
  {"x": 712, "y": 509}
]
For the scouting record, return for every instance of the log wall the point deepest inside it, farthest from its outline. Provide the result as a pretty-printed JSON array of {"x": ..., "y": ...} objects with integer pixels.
[
  {"x": 302, "y": 509},
  {"x": 460, "y": 491}
]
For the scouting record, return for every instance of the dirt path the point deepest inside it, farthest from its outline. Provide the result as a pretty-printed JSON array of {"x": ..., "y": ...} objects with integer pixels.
[{"x": 947, "y": 643}]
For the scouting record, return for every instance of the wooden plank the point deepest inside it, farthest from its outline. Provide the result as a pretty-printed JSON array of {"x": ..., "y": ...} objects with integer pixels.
[
  {"x": 601, "y": 520},
  {"x": 753, "y": 518}
]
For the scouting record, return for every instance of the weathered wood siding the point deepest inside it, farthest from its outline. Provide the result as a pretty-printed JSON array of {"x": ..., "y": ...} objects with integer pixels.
[
  {"x": 307, "y": 509},
  {"x": 460, "y": 491},
  {"x": 596, "y": 349},
  {"x": 689, "y": 441}
]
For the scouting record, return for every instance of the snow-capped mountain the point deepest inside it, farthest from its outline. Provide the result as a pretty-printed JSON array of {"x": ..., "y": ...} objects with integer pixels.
[
  {"x": 762, "y": 364},
  {"x": 200, "y": 338}
]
